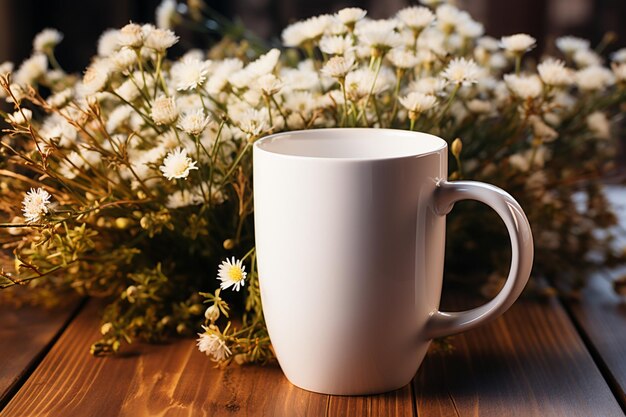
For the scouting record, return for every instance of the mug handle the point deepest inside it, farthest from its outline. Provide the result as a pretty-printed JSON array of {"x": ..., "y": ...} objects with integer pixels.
[{"x": 442, "y": 324}]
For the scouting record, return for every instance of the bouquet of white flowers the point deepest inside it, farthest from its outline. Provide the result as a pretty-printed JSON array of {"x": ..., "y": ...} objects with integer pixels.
[{"x": 135, "y": 180}]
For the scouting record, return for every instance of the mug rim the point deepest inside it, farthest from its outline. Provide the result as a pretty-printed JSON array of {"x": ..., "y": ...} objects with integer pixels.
[{"x": 438, "y": 144}]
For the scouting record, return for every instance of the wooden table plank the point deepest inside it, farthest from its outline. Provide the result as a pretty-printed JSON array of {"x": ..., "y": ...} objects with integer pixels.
[
  {"x": 171, "y": 380},
  {"x": 530, "y": 362},
  {"x": 25, "y": 335},
  {"x": 601, "y": 316},
  {"x": 600, "y": 313}
]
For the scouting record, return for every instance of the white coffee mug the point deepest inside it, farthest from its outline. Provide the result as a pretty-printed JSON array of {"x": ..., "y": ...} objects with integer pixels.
[{"x": 350, "y": 231}]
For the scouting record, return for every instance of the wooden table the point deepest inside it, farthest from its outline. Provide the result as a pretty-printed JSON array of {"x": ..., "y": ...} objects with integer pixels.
[{"x": 542, "y": 358}]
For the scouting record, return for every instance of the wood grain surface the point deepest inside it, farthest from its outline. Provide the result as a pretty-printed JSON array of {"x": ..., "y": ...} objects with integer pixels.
[
  {"x": 601, "y": 316},
  {"x": 172, "y": 380},
  {"x": 529, "y": 362},
  {"x": 25, "y": 335}
]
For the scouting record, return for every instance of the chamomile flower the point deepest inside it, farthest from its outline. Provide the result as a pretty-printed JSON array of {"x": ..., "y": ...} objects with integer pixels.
[
  {"x": 164, "y": 111},
  {"x": 599, "y": 125},
  {"x": 31, "y": 69},
  {"x": 269, "y": 84},
  {"x": 130, "y": 35},
  {"x": 402, "y": 58},
  {"x": 594, "y": 78},
  {"x": 553, "y": 72},
  {"x": 160, "y": 39},
  {"x": 336, "y": 45},
  {"x": 379, "y": 35},
  {"x": 213, "y": 345},
  {"x": 619, "y": 70},
  {"x": 415, "y": 17},
  {"x": 194, "y": 122},
  {"x": 570, "y": 44},
  {"x": 96, "y": 77},
  {"x": 524, "y": 86},
  {"x": 20, "y": 117},
  {"x": 189, "y": 73},
  {"x": 350, "y": 15},
  {"x": 35, "y": 204},
  {"x": 46, "y": 40},
  {"x": 338, "y": 67},
  {"x": 417, "y": 103},
  {"x": 232, "y": 273},
  {"x": 462, "y": 71},
  {"x": 177, "y": 164},
  {"x": 306, "y": 30},
  {"x": 518, "y": 44}
]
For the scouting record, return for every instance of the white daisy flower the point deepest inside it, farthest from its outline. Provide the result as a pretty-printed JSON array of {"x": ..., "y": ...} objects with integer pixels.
[
  {"x": 183, "y": 198},
  {"x": 130, "y": 35},
  {"x": 379, "y": 35},
  {"x": 177, "y": 164},
  {"x": 108, "y": 44},
  {"x": 428, "y": 85},
  {"x": 336, "y": 45},
  {"x": 20, "y": 117},
  {"x": 219, "y": 78},
  {"x": 194, "y": 122},
  {"x": 35, "y": 205},
  {"x": 599, "y": 125},
  {"x": 519, "y": 43},
  {"x": 213, "y": 345},
  {"x": 189, "y": 73},
  {"x": 160, "y": 39},
  {"x": 462, "y": 71},
  {"x": 232, "y": 273},
  {"x": 524, "y": 86},
  {"x": 164, "y": 111},
  {"x": 60, "y": 99},
  {"x": 542, "y": 130},
  {"x": 480, "y": 106},
  {"x": 350, "y": 15},
  {"x": 269, "y": 84},
  {"x": 489, "y": 43},
  {"x": 96, "y": 77},
  {"x": 338, "y": 66},
  {"x": 128, "y": 91},
  {"x": 553, "y": 72},
  {"x": 417, "y": 102},
  {"x": 415, "y": 17},
  {"x": 264, "y": 64},
  {"x": 31, "y": 69},
  {"x": 469, "y": 28},
  {"x": 306, "y": 30},
  {"x": 402, "y": 58},
  {"x": 594, "y": 78},
  {"x": 586, "y": 58},
  {"x": 448, "y": 17},
  {"x": 570, "y": 44},
  {"x": 46, "y": 40},
  {"x": 124, "y": 59}
]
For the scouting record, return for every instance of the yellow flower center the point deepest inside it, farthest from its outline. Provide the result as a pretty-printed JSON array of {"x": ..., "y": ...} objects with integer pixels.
[{"x": 235, "y": 273}]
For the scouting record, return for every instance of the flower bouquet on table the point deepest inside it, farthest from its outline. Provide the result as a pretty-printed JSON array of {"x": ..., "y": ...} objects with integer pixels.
[{"x": 133, "y": 182}]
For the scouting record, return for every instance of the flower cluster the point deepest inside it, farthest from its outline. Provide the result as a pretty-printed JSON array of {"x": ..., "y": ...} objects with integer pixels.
[{"x": 140, "y": 169}]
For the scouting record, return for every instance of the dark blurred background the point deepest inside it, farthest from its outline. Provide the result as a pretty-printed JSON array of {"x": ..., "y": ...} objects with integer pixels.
[{"x": 83, "y": 21}]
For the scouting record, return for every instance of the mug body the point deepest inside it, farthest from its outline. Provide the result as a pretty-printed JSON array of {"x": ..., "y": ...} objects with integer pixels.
[{"x": 350, "y": 253}]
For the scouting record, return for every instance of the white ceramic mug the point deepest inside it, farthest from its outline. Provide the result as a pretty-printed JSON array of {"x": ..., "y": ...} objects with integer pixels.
[{"x": 350, "y": 231}]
